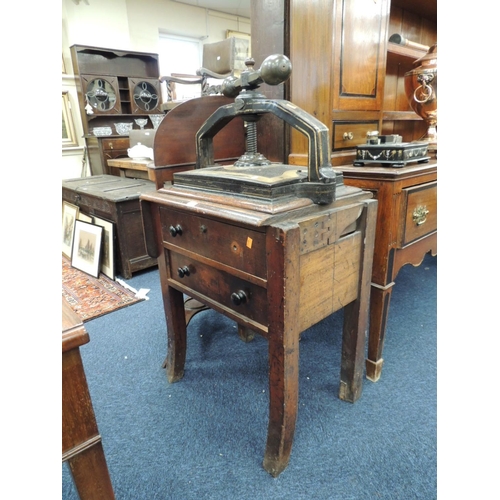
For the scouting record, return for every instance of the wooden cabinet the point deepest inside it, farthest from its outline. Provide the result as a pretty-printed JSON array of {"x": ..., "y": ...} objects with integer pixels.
[
  {"x": 345, "y": 71},
  {"x": 114, "y": 86},
  {"x": 276, "y": 268}
]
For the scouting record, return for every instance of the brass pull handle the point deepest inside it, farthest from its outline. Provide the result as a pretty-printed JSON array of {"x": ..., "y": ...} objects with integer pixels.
[
  {"x": 110, "y": 145},
  {"x": 420, "y": 215},
  {"x": 348, "y": 136}
]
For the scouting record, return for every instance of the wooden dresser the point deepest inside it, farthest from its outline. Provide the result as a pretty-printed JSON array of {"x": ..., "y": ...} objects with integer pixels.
[
  {"x": 81, "y": 441},
  {"x": 276, "y": 271},
  {"x": 406, "y": 231}
]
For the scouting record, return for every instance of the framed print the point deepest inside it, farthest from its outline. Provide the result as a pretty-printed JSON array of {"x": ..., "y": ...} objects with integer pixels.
[
  {"x": 87, "y": 243},
  {"x": 108, "y": 250},
  {"x": 243, "y": 49},
  {"x": 69, "y": 215},
  {"x": 68, "y": 128},
  {"x": 85, "y": 218}
]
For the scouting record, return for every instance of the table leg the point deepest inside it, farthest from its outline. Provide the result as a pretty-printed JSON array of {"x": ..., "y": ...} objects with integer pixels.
[
  {"x": 176, "y": 333},
  {"x": 356, "y": 314},
  {"x": 90, "y": 474},
  {"x": 379, "y": 311},
  {"x": 283, "y": 337},
  {"x": 283, "y": 402}
]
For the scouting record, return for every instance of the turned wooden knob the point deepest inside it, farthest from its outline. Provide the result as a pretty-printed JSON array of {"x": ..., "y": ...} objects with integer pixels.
[
  {"x": 183, "y": 271},
  {"x": 239, "y": 297},
  {"x": 175, "y": 230}
]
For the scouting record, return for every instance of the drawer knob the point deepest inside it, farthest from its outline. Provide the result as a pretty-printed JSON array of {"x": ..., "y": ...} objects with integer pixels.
[
  {"x": 175, "y": 230},
  {"x": 183, "y": 271},
  {"x": 420, "y": 215},
  {"x": 348, "y": 136},
  {"x": 239, "y": 297}
]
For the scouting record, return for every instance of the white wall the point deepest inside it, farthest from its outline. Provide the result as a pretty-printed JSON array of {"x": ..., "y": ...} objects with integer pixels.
[{"x": 130, "y": 25}]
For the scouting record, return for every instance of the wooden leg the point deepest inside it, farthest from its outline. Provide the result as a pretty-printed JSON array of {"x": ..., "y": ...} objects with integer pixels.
[
  {"x": 283, "y": 338},
  {"x": 356, "y": 316},
  {"x": 245, "y": 333},
  {"x": 379, "y": 312},
  {"x": 176, "y": 334},
  {"x": 283, "y": 398},
  {"x": 90, "y": 474}
]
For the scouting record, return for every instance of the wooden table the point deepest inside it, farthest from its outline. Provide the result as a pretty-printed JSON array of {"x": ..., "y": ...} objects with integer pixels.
[
  {"x": 81, "y": 441},
  {"x": 276, "y": 270},
  {"x": 406, "y": 231},
  {"x": 146, "y": 169}
]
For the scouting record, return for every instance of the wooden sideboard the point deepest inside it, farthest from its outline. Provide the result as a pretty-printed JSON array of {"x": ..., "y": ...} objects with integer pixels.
[
  {"x": 81, "y": 441},
  {"x": 406, "y": 231}
]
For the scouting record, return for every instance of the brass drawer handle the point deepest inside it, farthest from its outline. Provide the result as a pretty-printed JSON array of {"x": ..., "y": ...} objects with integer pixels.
[
  {"x": 420, "y": 215},
  {"x": 348, "y": 136}
]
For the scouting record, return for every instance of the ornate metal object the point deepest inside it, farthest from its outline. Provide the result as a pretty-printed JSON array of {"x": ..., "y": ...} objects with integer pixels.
[
  {"x": 390, "y": 151},
  {"x": 421, "y": 91},
  {"x": 254, "y": 175},
  {"x": 420, "y": 215}
]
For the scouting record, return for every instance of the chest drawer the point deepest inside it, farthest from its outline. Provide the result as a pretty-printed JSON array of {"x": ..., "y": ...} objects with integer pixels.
[
  {"x": 351, "y": 134},
  {"x": 420, "y": 215},
  {"x": 112, "y": 144},
  {"x": 251, "y": 300},
  {"x": 237, "y": 247}
]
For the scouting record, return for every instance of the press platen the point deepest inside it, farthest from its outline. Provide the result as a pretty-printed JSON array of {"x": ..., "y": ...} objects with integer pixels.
[{"x": 253, "y": 175}]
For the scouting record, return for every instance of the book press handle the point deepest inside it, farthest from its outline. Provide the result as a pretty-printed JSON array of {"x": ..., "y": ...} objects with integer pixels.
[{"x": 321, "y": 180}]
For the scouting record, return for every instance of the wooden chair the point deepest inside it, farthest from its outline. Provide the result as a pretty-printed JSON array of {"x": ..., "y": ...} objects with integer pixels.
[{"x": 218, "y": 63}]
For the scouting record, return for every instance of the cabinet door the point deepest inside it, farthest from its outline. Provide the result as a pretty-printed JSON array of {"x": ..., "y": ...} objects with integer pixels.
[
  {"x": 102, "y": 94},
  {"x": 359, "y": 54},
  {"x": 145, "y": 96}
]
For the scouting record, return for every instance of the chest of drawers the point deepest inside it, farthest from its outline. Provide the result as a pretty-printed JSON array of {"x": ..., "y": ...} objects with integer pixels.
[{"x": 275, "y": 271}]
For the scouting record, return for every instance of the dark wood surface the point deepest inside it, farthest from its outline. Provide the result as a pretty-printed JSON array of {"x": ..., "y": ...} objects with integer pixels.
[
  {"x": 400, "y": 238},
  {"x": 175, "y": 144},
  {"x": 81, "y": 441},
  {"x": 115, "y": 199},
  {"x": 231, "y": 245},
  {"x": 343, "y": 71}
]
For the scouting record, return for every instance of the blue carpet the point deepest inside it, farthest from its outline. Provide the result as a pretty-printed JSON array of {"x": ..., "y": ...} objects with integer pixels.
[{"x": 204, "y": 437}]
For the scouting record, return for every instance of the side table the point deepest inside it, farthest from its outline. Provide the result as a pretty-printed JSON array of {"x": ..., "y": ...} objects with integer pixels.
[
  {"x": 276, "y": 270},
  {"x": 406, "y": 231},
  {"x": 81, "y": 441}
]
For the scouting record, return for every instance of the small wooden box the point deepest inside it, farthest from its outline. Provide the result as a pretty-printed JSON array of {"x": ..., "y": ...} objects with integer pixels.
[{"x": 115, "y": 199}]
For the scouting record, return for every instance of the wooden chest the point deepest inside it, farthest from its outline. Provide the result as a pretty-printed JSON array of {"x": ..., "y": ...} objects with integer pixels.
[{"x": 115, "y": 199}]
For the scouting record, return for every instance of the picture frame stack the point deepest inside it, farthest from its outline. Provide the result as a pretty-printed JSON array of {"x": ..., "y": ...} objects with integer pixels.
[{"x": 88, "y": 242}]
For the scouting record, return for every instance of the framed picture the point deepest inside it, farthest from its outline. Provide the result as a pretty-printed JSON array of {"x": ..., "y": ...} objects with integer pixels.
[
  {"x": 85, "y": 218},
  {"x": 108, "y": 249},
  {"x": 87, "y": 242},
  {"x": 243, "y": 49},
  {"x": 69, "y": 216},
  {"x": 68, "y": 128}
]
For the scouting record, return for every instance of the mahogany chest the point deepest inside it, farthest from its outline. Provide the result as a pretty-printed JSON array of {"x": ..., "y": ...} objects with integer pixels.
[{"x": 115, "y": 199}]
